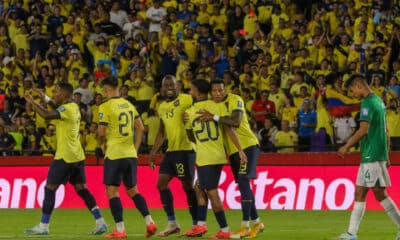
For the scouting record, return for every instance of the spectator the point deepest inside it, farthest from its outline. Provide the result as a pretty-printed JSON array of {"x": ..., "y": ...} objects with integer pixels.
[
  {"x": 393, "y": 122},
  {"x": 307, "y": 123},
  {"x": 155, "y": 15},
  {"x": 344, "y": 128},
  {"x": 266, "y": 136},
  {"x": 7, "y": 142},
  {"x": 261, "y": 108},
  {"x": 89, "y": 139},
  {"x": 151, "y": 124},
  {"x": 48, "y": 143},
  {"x": 83, "y": 89},
  {"x": 320, "y": 141},
  {"x": 285, "y": 140}
]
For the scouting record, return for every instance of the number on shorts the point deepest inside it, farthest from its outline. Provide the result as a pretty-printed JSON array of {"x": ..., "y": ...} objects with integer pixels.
[
  {"x": 180, "y": 169},
  {"x": 243, "y": 168},
  {"x": 123, "y": 119},
  {"x": 367, "y": 175}
]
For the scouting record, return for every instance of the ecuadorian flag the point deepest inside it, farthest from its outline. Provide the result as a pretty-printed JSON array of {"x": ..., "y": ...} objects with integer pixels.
[{"x": 340, "y": 104}]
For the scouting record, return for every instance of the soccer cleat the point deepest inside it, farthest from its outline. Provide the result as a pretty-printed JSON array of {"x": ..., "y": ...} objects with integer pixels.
[
  {"x": 256, "y": 229},
  {"x": 221, "y": 235},
  {"x": 243, "y": 231},
  {"x": 99, "y": 229},
  {"x": 347, "y": 236},
  {"x": 151, "y": 229},
  {"x": 37, "y": 230},
  {"x": 171, "y": 229},
  {"x": 196, "y": 231},
  {"x": 116, "y": 235}
]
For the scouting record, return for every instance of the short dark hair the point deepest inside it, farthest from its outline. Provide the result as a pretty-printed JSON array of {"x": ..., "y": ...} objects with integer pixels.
[
  {"x": 217, "y": 81},
  {"x": 354, "y": 78},
  {"x": 202, "y": 85},
  {"x": 110, "y": 81},
  {"x": 66, "y": 87}
]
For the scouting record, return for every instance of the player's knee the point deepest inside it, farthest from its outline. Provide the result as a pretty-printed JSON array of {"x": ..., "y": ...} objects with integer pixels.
[
  {"x": 379, "y": 193},
  {"x": 52, "y": 187},
  {"x": 132, "y": 191},
  {"x": 360, "y": 194}
]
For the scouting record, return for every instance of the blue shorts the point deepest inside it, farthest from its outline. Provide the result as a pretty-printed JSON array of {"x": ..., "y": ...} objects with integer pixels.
[
  {"x": 208, "y": 176},
  {"x": 248, "y": 170},
  {"x": 124, "y": 169},
  {"x": 179, "y": 164},
  {"x": 61, "y": 172}
]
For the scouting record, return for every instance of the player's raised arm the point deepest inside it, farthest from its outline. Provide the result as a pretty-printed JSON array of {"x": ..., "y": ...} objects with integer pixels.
[
  {"x": 233, "y": 120},
  {"x": 43, "y": 112}
]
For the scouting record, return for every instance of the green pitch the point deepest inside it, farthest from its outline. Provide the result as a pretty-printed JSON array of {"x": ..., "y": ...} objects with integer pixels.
[{"x": 280, "y": 225}]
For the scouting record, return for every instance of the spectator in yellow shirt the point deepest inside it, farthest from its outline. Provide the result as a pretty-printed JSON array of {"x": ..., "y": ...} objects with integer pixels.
[{"x": 285, "y": 140}]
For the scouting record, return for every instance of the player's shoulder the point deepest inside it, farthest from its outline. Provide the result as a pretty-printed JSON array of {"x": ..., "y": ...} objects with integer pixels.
[
  {"x": 67, "y": 107},
  {"x": 185, "y": 98}
]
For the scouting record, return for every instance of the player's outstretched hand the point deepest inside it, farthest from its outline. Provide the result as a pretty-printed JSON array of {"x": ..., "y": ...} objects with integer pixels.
[
  {"x": 342, "y": 151},
  {"x": 205, "y": 116},
  {"x": 243, "y": 157},
  {"x": 152, "y": 163},
  {"x": 39, "y": 92},
  {"x": 29, "y": 98}
]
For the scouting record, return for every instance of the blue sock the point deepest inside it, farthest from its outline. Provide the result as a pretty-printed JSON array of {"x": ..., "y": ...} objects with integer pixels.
[
  {"x": 202, "y": 213},
  {"x": 116, "y": 209},
  {"x": 221, "y": 219},
  {"x": 48, "y": 205},
  {"x": 96, "y": 213},
  {"x": 141, "y": 204},
  {"x": 253, "y": 209},
  {"x": 192, "y": 203},
  {"x": 168, "y": 203},
  {"x": 246, "y": 195},
  {"x": 90, "y": 202}
]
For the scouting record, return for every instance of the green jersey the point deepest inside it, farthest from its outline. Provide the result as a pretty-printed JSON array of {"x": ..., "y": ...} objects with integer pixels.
[{"x": 374, "y": 144}]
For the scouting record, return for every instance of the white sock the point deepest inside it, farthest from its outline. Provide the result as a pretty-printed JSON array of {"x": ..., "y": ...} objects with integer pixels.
[
  {"x": 100, "y": 221},
  {"x": 392, "y": 210},
  {"x": 201, "y": 223},
  {"x": 120, "y": 226},
  {"x": 255, "y": 221},
  {"x": 225, "y": 229},
  {"x": 44, "y": 225},
  {"x": 245, "y": 223},
  {"x": 148, "y": 220},
  {"x": 356, "y": 216}
]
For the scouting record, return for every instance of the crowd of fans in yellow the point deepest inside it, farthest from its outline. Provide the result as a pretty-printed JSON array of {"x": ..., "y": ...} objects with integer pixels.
[{"x": 281, "y": 57}]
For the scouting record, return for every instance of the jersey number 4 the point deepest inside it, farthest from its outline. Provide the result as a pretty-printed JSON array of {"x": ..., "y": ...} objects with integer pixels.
[{"x": 124, "y": 120}]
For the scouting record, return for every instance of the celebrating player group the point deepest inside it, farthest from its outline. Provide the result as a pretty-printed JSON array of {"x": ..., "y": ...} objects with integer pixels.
[{"x": 201, "y": 130}]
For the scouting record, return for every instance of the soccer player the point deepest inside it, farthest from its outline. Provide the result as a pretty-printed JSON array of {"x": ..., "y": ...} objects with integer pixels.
[
  {"x": 210, "y": 158},
  {"x": 179, "y": 160},
  {"x": 121, "y": 129},
  {"x": 69, "y": 159},
  {"x": 374, "y": 144},
  {"x": 243, "y": 172}
]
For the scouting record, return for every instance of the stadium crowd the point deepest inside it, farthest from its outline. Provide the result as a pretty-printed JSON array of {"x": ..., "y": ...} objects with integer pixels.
[{"x": 281, "y": 57}]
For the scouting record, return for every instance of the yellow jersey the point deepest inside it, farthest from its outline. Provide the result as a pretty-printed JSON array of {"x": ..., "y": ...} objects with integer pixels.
[
  {"x": 69, "y": 147},
  {"x": 286, "y": 139},
  {"x": 393, "y": 123},
  {"x": 209, "y": 135},
  {"x": 246, "y": 136},
  {"x": 91, "y": 144},
  {"x": 48, "y": 144},
  {"x": 118, "y": 114},
  {"x": 171, "y": 116}
]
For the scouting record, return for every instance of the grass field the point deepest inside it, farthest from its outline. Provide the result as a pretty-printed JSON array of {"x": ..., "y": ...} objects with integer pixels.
[{"x": 280, "y": 225}]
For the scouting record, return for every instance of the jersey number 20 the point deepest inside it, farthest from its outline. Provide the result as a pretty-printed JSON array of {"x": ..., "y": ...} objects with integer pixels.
[{"x": 208, "y": 131}]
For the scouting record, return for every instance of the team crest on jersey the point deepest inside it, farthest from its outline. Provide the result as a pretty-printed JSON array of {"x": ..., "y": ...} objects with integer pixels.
[
  {"x": 364, "y": 111},
  {"x": 176, "y": 103},
  {"x": 61, "y": 109},
  {"x": 101, "y": 115},
  {"x": 239, "y": 104}
]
